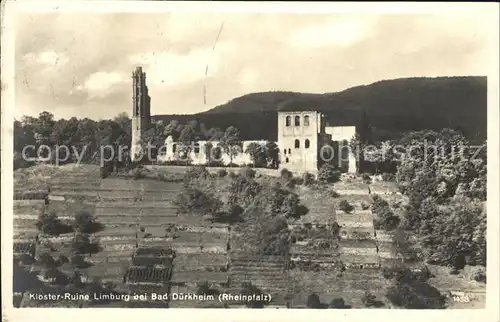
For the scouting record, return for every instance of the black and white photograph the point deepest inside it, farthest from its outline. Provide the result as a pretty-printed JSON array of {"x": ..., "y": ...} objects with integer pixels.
[{"x": 214, "y": 157}]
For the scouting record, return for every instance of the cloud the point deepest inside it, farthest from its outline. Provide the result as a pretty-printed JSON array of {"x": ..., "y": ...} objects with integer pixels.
[
  {"x": 46, "y": 58},
  {"x": 171, "y": 69},
  {"x": 249, "y": 77},
  {"x": 100, "y": 83},
  {"x": 64, "y": 67},
  {"x": 339, "y": 31}
]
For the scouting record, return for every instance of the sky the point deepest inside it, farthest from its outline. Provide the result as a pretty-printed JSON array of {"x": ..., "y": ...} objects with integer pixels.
[{"x": 80, "y": 64}]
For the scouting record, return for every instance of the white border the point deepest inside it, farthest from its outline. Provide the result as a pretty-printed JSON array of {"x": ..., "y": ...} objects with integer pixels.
[{"x": 483, "y": 11}]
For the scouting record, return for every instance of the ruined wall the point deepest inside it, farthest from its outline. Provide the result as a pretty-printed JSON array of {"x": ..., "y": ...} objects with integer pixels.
[
  {"x": 339, "y": 134},
  {"x": 199, "y": 155}
]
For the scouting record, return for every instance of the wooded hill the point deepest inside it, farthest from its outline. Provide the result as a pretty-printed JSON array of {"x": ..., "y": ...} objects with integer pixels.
[{"x": 392, "y": 107}]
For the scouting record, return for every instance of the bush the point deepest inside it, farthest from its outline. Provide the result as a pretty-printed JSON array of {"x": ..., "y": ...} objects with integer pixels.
[
  {"x": 78, "y": 260},
  {"x": 389, "y": 177},
  {"x": 235, "y": 210},
  {"x": 204, "y": 288},
  {"x": 364, "y": 205},
  {"x": 231, "y": 215},
  {"x": 222, "y": 173},
  {"x": 294, "y": 182},
  {"x": 61, "y": 260},
  {"x": 286, "y": 174},
  {"x": 81, "y": 244},
  {"x": 328, "y": 174},
  {"x": 46, "y": 261},
  {"x": 48, "y": 223},
  {"x": 84, "y": 222},
  {"x": 138, "y": 173},
  {"x": 20, "y": 162},
  {"x": 273, "y": 237},
  {"x": 345, "y": 206},
  {"x": 196, "y": 172},
  {"x": 308, "y": 179},
  {"x": 337, "y": 303},
  {"x": 313, "y": 301},
  {"x": 76, "y": 280},
  {"x": 248, "y": 172},
  {"x": 281, "y": 201},
  {"x": 479, "y": 274},
  {"x": 370, "y": 300},
  {"x": 250, "y": 290},
  {"x": 414, "y": 294},
  {"x": 385, "y": 217},
  {"x": 232, "y": 175},
  {"x": 290, "y": 206},
  {"x": 243, "y": 191},
  {"x": 104, "y": 172},
  {"x": 195, "y": 200},
  {"x": 334, "y": 194},
  {"x": 366, "y": 178}
]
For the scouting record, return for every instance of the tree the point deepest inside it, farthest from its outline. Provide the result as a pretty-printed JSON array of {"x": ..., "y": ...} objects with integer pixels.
[
  {"x": 337, "y": 303},
  {"x": 410, "y": 292},
  {"x": 257, "y": 154},
  {"x": 205, "y": 289},
  {"x": 384, "y": 216},
  {"x": 272, "y": 154},
  {"x": 187, "y": 137},
  {"x": 250, "y": 290},
  {"x": 48, "y": 223},
  {"x": 49, "y": 268},
  {"x": 173, "y": 128},
  {"x": 78, "y": 260},
  {"x": 43, "y": 127},
  {"x": 230, "y": 142},
  {"x": 77, "y": 280},
  {"x": 153, "y": 138},
  {"x": 313, "y": 301},
  {"x": 328, "y": 174},
  {"x": 345, "y": 206},
  {"x": 85, "y": 222},
  {"x": 196, "y": 200},
  {"x": 208, "y": 151},
  {"x": 215, "y": 134},
  {"x": 446, "y": 185},
  {"x": 457, "y": 235},
  {"x": 243, "y": 191},
  {"x": 370, "y": 300},
  {"x": 81, "y": 244},
  {"x": 273, "y": 236}
]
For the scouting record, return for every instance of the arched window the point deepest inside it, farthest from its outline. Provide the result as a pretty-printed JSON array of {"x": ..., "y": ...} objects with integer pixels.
[
  {"x": 196, "y": 148},
  {"x": 307, "y": 144},
  {"x": 297, "y": 120},
  {"x": 306, "y": 120},
  {"x": 284, "y": 151},
  {"x": 297, "y": 144},
  {"x": 286, "y": 160},
  {"x": 289, "y": 151},
  {"x": 174, "y": 148},
  {"x": 288, "y": 121}
]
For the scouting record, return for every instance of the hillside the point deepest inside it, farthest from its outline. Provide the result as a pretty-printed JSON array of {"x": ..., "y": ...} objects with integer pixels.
[{"x": 392, "y": 107}]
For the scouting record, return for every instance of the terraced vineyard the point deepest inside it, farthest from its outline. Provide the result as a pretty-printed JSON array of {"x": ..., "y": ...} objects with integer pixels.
[
  {"x": 145, "y": 246},
  {"x": 137, "y": 215}
]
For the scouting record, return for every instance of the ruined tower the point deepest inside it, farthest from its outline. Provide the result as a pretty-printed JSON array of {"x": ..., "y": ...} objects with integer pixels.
[{"x": 141, "y": 110}]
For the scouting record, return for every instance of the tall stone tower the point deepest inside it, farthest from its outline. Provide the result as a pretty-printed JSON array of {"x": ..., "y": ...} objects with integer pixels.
[
  {"x": 141, "y": 110},
  {"x": 300, "y": 136}
]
